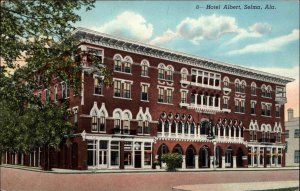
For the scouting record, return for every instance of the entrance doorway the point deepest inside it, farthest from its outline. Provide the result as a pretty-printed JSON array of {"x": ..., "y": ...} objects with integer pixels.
[
  {"x": 137, "y": 159},
  {"x": 190, "y": 158},
  {"x": 239, "y": 158},
  {"x": 204, "y": 157}
]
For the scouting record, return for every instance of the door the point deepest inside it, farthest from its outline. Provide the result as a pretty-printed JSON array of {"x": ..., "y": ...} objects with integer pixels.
[{"x": 137, "y": 159}]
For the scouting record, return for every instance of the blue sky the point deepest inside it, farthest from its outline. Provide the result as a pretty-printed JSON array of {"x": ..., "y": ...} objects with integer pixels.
[{"x": 264, "y": 39}]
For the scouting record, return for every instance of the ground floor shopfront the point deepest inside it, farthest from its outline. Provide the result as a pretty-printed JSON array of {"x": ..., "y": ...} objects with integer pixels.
[{"x": 98, "y": 151}]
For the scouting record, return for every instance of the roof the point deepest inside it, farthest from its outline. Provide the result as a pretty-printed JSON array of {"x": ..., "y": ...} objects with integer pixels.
[{"x": 110, "y": 41}]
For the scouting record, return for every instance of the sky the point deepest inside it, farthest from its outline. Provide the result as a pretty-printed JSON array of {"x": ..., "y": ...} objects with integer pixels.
[{"x": 263, "y": 35}]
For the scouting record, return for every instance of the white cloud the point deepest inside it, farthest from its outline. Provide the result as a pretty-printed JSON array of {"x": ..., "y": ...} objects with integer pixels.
[
  {"x": 128, "y": 24},
  {"x": 205, "y": 27},
  {"x": 269, "y": 46},
  {"x": 255, "y": 31}
]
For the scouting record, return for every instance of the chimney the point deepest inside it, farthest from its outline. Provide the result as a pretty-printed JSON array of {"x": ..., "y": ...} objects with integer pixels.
[{"x": 290, "y": 114}]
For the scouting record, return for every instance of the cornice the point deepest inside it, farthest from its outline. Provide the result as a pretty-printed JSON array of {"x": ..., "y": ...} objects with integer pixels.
[{"x": 109, "y": 41}]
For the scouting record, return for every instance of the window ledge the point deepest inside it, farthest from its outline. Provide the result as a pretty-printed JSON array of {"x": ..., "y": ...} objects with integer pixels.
[
  {"x": 266, "y": 116},
  {"x": 122, "y": 98},
  {"x": 239, "y": 112},
  {"x": 101, "y": 95},
  {"x": 145, "y": 101},
  {"x": 253, "y": 114},
  {"x": 145, "y": 76},
  {"x": 165, "y": 103},
  {"x": 122, "y": 72}
]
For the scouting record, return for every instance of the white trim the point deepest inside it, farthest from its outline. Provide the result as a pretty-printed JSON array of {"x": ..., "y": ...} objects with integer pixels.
[
  {"x": 122, "y": 80},
  {"x": 90, "y": 36}
]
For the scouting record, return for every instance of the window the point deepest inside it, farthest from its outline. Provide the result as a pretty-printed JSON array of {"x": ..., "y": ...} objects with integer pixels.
[
  {"x": 287, "y": 133},
  {"x": 98, "y": 86},
  {"x": 117, "y": 88},
  {"x": 278, "y": 136},
  {"x": 253, "y": 103},
  {"x": 75, "y": 110},
  {"x": 297, "y": 156},
  {"x": 47, "y": 92},
  {"x": 240, "y": 106},
  {"x": 118, "y": 63},
  {"x": 225, "y": 102},
  {"x": 147, "y": 153},
  {"x": 91, "y": 152},
  {"x": 296, "y": 134},
  {"x": 169, "y": 96},
  {"x": 117, "y": 122},
  {"x": 101, "y": 123},
  {"x": 146, "y": 126},
  {"x": 277, "y": 111},
  {"x": 122, "y": 89},
  {"x": 280, "y": 92},
  {"x": 127, "y": 90},
  {"x": 98, "y": 54},
  {"x": 183, "y": 97},
  {"x": 184, "y": 74},
  {"x": 55, "y": 93},
  {"x": 140, "y": 125},
  {"x": 269, "y": 92},
  {"x": 144, "y": 93},
  {"x": 145, "y": 67},
  {"x": 65, "y": 90},
  {"x": 226, "y": 82},
  {"x": 94, "y": 121},
  {"x": 161, "y": 72},
  {"x": 266, "y": 109},
  {"x": 169, "y": 73},
  {"x": 237, "y": 85},
  {"x": 126, "y": 123},
  {"x": 253, "y": 88},
  {"x": 161, "y": 95},
  {"x": 200, "y": 78},
  {"x": 263, "y": 90},
  {"x": 114, "y": 153},
  {"x": 127, "y": 64},
  {"x": 242, "y": 87}
]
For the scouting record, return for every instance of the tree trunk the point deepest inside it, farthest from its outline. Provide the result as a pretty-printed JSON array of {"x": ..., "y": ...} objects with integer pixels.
[{"x": 46, "y": 159}]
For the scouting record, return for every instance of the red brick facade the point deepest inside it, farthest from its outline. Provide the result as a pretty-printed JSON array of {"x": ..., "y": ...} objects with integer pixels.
[{"x": 229, "y": 136}]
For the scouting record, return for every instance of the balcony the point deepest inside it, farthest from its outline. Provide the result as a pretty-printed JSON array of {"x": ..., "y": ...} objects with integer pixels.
[
  {"x": 281, "y": 100},
  {"x": 205, "y": 109}
]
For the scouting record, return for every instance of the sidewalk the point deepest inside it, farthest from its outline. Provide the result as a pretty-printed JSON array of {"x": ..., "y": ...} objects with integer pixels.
[
  {"x": 291, "y": 185},
  {"x": 69, "y": 171}
]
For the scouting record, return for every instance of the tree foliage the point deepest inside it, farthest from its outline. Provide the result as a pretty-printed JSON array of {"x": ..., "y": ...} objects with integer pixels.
[
  {"x": 36, "y": 38},
  {"x": 172, "y": 160}
]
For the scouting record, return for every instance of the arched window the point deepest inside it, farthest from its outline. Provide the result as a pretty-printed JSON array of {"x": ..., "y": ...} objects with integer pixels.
[
  {"x": 179, "y": 128},
  {"x": 117, "y": 121},
  {"x": 118, "y": 63},
  {"x": 253, "y": 88},
  {"x": 192, "y": 128},
  {"x": 237, "y": 85},
  {"x": 126, "y": 123},
  {"x": 211, "y": 98},
  {"x": 269, "y": 91},
  {"x": 161, "y": 71},
  {"x": 145, "y": 67},
  {"x": 94, "y": 121},
  {"x": 169, "y": 73},
  {"x": 166, "y": 128},
  {"x": 226, "y": 82},
  {"x": 263, "y": 90},
  {"x": 102, "y": 122},
  {"x": 243, "y": 86},
  {"x": 146, "y": 125},
  {"x": 127, "y": 64},
  {"x": 186, "y": 128},
  {"x": 140, "y": 124},
  {"x": 184, "y": 74}
]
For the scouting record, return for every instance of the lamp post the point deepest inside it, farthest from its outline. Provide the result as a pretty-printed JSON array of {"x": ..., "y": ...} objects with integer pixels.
[{"x": 215, "y": 143}]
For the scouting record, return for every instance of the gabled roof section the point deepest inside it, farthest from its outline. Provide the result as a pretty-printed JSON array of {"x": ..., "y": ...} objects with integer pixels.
[{"x": 98, "y": 38}]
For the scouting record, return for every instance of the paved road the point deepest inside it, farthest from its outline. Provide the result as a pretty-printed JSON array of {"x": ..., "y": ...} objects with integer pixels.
[{"x": 16, "y": 179}]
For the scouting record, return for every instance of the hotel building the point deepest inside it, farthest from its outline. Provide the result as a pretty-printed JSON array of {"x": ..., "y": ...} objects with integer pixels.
[{"x": 166, "y": 101}]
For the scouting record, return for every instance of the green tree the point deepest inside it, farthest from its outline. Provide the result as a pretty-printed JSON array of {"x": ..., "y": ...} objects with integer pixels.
[
  {"x": 37, "y": 33},
  {"x": 172, "y": 160}
]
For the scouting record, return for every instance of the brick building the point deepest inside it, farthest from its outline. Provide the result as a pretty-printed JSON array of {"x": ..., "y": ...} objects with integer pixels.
[{"x": 165, "y": 101}]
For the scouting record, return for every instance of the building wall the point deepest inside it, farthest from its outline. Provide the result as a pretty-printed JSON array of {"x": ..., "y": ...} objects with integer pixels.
[{"x": 292, "y": 142}]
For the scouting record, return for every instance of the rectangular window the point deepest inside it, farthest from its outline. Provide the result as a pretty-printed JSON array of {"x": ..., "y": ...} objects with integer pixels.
[
  {"x": 127, "y": 90},
  {"x": 144, "y": 93},
  {"x": 280, "y": 92},
  {"x": 263, "y": 109},
  {"x": 169, "y": 75},
  {"x": 194, "y": 75},
  {"x": 98, "y": 86},
  {"x": 287, "y": 133},
  {"x": 118, "y": 65},
  {"x": 127, "y": 67},
  {"x": 242, "y": 102},
  {"x": 147, "y": 154},
  {"x": 55, "y": 93},
  {"x": 91, "y": 152},
  {"x": 114, "y": 146},
  {"x": 277, "y": 111},
  {"x": 101, "y": 124},
  {"x": 161, "y": 73},
  {"x": 297, "y": 156},
  {"x": 169, "y": 96},
  {"x": 161, "y": 95},
  {"x": 183, "y": 97},
  {"x": 65, "y": 90},
  {"x": 225, "y": 103},
  {"x": 296, "y": 134},
  {"x": 117, "y": 88},
  {"x": 94, "y": 123},
  {"x": 268, "y": 110},
  {"x": 140, "y": 127},
  {"x": 253, "y": 107},
  {"x": 47, "y": 96}
]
